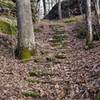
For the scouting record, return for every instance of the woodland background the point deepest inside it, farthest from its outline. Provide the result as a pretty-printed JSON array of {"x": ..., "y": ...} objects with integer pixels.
[{"x": 52, "y": 53}]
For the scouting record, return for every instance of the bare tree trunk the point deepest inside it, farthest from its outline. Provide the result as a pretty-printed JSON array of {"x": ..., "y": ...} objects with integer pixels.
[
  {"x": 97, "y": 19},
  {"x": 26, "y": 38},
  {"x": 44, "y": 6},
  {"x": 89, "y": 40},
  {"x": 98, "y": 10},
  {"x": 59, "y": 9}
]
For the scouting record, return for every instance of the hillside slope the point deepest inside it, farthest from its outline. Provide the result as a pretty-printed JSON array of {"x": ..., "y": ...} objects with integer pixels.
[{"x": 63, "y": 70}]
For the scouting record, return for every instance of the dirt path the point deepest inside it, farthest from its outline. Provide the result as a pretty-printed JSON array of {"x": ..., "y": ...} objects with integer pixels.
[{"x": 63, "y": 71}]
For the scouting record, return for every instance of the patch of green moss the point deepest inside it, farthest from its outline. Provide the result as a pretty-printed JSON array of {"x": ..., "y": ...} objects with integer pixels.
[
  {"x": 25, "y": 54},
  {"x": 39, "y": 73},
  {"x": 7, "y": 28},
  {"x": 57, "y": 27},
  {"x": 71, "y": 20},
  {"x": 33, "y": 81},
  {"x": 60, "y": 32},
  {"x": 37, "y": 30},
  {"x": 89, "y": 46},
  {"x": 31, "y": 94},
  {"x": 98, "y": 95},
  {"x": 58, "y": 39}
]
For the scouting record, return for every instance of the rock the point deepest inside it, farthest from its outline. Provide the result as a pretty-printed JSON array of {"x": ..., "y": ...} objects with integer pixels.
[{"x": 69, "y": 8}]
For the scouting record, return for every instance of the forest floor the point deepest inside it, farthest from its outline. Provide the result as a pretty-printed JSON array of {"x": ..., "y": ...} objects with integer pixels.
[{"x": 63, "y": 70}]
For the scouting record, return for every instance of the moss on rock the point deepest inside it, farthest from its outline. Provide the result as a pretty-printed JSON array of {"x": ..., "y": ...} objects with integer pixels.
[
  {"x": 31, "y": 94},
  {"x": 6, "y": 27},
  {"x": 8, "y": 4},
  {"x": 39, "y": 73},
  {"x": 71, "y": 20}
]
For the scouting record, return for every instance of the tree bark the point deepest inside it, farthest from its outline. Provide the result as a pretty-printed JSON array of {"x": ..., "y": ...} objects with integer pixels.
[
  {"x": 98, "y": 10},
  {"x": 59, "y": 10},
  {"x": 89, "y": 24},
  {"x": 26, "y": 38}
]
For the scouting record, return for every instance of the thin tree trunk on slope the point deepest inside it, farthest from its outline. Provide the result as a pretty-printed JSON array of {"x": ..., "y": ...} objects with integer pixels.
[
  {"x": 98, "y": 10},
  {"x": 59, "y": 9},
  {"x": 97, "y": 18},
  {"x": 44, "y": 6},
  {"x": 89, "y": 23}
]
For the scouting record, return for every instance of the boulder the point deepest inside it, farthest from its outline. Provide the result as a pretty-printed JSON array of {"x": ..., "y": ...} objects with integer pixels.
[{"x": 69, "y": 8}]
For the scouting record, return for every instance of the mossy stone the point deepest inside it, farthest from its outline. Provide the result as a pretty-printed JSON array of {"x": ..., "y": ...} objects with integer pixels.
[
  {"x": 40, "y": 73},
  {"x": 5, "y": 3},
  {"x": 71, "y": 20},
  {"x": 31, "y": 94},
  {"x": 5, "y": 27},
  {"x": 36, "y": 73}
]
